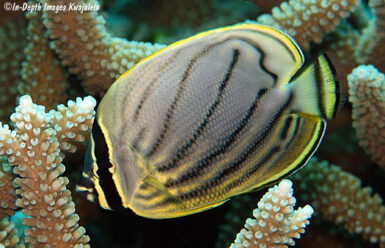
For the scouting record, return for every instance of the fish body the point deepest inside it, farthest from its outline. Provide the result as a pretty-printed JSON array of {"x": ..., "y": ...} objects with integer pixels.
[{"x": 216, "y": 115}]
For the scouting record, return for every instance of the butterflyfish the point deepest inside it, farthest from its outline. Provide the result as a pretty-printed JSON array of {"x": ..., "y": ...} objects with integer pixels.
[{"x": 222, "y": 113}]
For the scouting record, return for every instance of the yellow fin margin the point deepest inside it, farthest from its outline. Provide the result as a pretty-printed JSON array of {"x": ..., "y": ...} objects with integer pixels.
[{"x": 305, "y": 143}]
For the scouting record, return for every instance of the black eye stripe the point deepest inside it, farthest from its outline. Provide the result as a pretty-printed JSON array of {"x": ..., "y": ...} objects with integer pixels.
[
  {"x": 103, "y": 164},
  {"x": 100, "y": 148},
  {"x": 102, "y": 170}
]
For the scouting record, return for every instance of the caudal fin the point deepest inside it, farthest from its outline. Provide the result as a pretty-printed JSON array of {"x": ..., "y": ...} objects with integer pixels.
[{"x": 316, "y": 91}]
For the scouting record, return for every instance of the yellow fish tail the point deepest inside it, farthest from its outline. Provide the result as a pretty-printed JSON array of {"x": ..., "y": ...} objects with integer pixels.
[{"x": 316, "y": 90}]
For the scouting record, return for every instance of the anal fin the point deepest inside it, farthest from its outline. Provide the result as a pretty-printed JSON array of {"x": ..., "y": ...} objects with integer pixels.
[{"x": 301, "y": 140}]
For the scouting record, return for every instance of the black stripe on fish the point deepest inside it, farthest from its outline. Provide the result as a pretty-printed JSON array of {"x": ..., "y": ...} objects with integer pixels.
[
  {"x": 286, "y": 127},
  {"x": 101, "y": 150},
  {"x": 236, "y": 164},
  {"x": 319, "y": 83},
  {"x": 206, "y": 162},
  {"x": 144, "y": 98},
  {"x": 182, "y": 151},
  {"x": 218, "y": 180},
  {"x": 170, "y": 112},
  {"x": 338, "y": 103},
  {"x": 148, "y": 196},
  {"x": 273, "y": 75},
  {"x": 137, "y": 139},
  {"x": 304, "y": 160},
  {"x": 255, "y": 168},
  {"x": 165, "y": 202},
  {"x": 109, "y": 188},
  {"x": 261, "y": 92},
  {"x": 249, "y": 152},
  {"x": 104, "y": 176},
  {"x": 143, "y": 186},
  {"x": 148, "y": 90},
  {"x": 337, "y": 92},
  {"x": 295, "y": 131},
  {"x": 262, "y": 59},
  {"x": 172, "y": 107},
  {"x": 286, "y": 48}
]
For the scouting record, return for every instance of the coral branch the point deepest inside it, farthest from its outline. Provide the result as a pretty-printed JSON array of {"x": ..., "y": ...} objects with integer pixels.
[
  {"x": 367, "y": 95},
  {"x": 360, "y": 40},
  {"x": 72, "y": 123},
  {"x": 82, "y": 41},
  {"x": 33, "y": 148},
  {"x": 339, "y": 197},
  {"x": 44, "y": 79},
  {"x": 8, "y": 235},
  {"x": 7, "y": 190},
  {"x": 345, "y": 45},
  {"x": 276, "y": 224},
  {"x": 309, "y": 20},
  {"x": 12, "y": 43},
  {"x": 378, "y": 8},
  {"x": 239, "y": 209}
]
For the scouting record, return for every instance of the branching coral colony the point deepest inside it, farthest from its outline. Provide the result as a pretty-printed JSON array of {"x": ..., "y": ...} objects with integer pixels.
[
  {"x": 35, "y": 148},
  {"x": 58, "y": 44},
  {"x": 276, "y": 223}
]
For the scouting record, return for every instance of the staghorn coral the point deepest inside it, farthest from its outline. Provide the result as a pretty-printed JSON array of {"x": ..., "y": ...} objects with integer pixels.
[
  {"x": 8, "y": 235},
  {"x": 34, "y": 149},
  {"x": 170, "y": 13},
  {"x": 73, "y": 122},
  {"x": 378, "y": 8},
  {"x": 372, "y": 34},
  {"x": 360, "y": 41},
  {"x": 338, "y": 196},
  {"x": 364, "y": 46},
  {"x": 168, "y": 21},
  {"x": 276, "y": 224},
  {"x": 240, "y": 207},
  {"x": 12, "y": 42},
  {"x": 85, "y": 45},
  {"x": 308, "y": 20},
  {"x": 43, "y": 77},
  {"x": 367, "y": 95},
  {"x": 344, "y": 47},
  {"x": 7, "y": 189}
]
